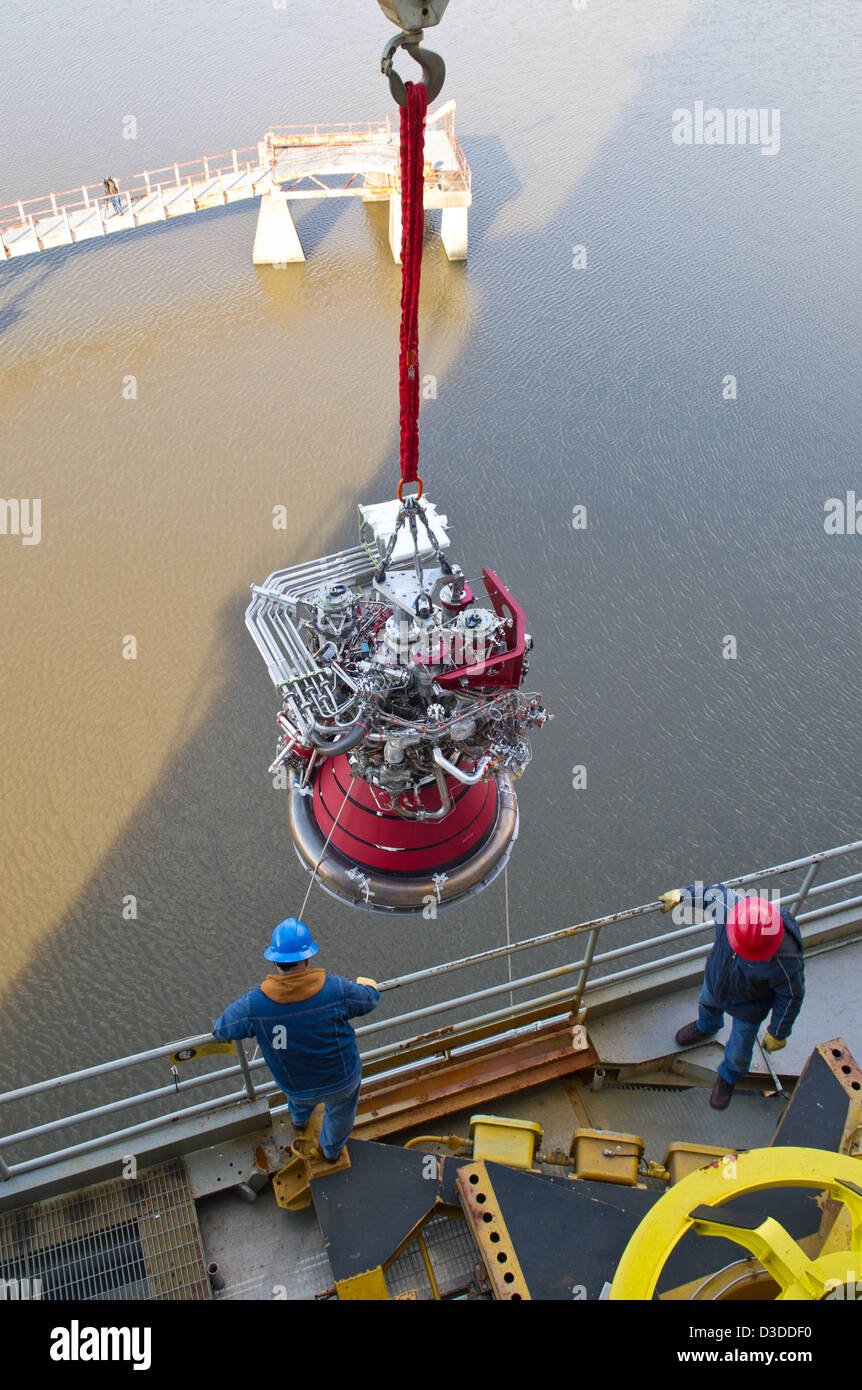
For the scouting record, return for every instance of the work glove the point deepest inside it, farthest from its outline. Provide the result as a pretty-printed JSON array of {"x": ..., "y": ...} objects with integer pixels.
[
  {"x": 671, "y": 899},
  {"x": 772, "y": 1044},
  {"x": 364, "y": 980}
]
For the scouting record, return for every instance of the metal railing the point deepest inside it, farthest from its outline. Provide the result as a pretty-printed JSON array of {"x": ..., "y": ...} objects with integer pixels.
[
  {"x": 249, "y": 165},
  {"x": 135, "y": 187},
  {"x": 448, "y": 1041}
]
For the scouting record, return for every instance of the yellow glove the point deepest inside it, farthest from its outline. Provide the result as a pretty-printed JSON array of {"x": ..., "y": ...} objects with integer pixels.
[
  {"x": 363, "y": 980},
  {"x": 671, "y": 899},
  {"x": 772, "y": 1044}
]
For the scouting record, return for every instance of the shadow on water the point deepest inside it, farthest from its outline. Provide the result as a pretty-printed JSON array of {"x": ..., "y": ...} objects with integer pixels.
[
  {"x": 314, "y": 224},
  {"x": 12, "y": 308}
]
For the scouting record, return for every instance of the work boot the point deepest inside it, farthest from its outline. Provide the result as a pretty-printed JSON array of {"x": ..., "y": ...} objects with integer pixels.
[
  {"x": 326, "y": 1159},
  {"x": 692, "y": 1034},
  {"x": 721, "y": 1093}
]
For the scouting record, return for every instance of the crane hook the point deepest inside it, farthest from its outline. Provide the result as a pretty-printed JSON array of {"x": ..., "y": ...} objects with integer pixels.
[{"x": 432, "y": 65}]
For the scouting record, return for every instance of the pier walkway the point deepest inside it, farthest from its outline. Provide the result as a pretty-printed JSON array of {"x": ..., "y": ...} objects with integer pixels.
[{"x": 290, "y": 163}]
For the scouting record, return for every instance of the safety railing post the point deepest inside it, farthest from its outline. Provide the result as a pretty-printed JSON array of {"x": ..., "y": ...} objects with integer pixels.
[
  {"x": 246, "y": 1073},
  {"x": 5, "y": 1170},
  {"x": 585, "y": 970},
  {"x": 803, "y": 891}
]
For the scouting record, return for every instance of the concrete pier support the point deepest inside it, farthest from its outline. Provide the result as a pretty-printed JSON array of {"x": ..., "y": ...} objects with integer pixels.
[
  {"x": 453, "y": 233},
  {"x": 453, "y": 228},
  {"x": 276, "y": 240}
]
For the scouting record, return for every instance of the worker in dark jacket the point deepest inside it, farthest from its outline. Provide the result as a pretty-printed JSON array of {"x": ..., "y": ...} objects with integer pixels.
[
  {"x": 300, "y": 1017},
  {"x": 755, "y": 966}
]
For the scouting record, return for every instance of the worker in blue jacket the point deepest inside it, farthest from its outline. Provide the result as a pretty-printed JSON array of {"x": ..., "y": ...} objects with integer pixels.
[
  {"x": 299, "y": 1017},
  {"x": 755, "y": 967}
]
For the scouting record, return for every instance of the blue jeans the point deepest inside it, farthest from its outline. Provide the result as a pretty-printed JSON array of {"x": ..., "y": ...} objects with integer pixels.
[
  {"x": 117, "y": 206},
  {"x": 338, "y": 1117},
  {"x": 740, "y": 1044}
]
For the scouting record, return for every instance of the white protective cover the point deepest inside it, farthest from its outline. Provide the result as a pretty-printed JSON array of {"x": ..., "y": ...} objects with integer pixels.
[{"x": 380, "y": 518}]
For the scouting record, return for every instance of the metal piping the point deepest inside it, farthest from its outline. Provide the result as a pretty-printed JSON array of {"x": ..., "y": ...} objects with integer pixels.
[
  {"x": 445, "y": 803},
  {"x": 468, "y": 778}
]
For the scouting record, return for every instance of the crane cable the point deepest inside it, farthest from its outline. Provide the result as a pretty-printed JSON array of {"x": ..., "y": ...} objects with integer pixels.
[{"x": 412, "y": 221}]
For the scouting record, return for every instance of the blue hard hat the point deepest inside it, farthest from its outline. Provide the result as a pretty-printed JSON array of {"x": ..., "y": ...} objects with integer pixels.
[{"x": 291, "y": 941}]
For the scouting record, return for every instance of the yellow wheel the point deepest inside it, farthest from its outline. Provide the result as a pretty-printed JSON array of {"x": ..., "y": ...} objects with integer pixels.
[{"x": 681, "y": 1209}]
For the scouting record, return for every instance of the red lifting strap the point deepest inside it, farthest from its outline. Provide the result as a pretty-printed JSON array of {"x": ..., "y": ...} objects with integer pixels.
[{"x": 412, "y": 220}]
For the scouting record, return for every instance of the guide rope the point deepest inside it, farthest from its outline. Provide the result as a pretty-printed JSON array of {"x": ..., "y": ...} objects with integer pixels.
[{"x": 313, "y": 878}]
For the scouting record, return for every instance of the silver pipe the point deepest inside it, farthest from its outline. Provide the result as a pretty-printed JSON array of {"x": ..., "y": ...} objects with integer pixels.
[
  {"x": 244, "y": 1068},
  {"x": 468, "y": 778},
  {"x": 830, "y": 907},
  {"x": 822, "y": 888},
  {"x": 356, "y": 732},
  {"x": 803, "y": 892},
  {"x": 647, "y": 966},
  {"x": 448, "y": 1004},
  {"x": 164, "y": 1051},
  {"x": 336, "y": 727},
  {"x": 87, "y": 1145},
  {"x": 110, "y": 1107},
  {"x": 588, "y": 960},
  {"x": 449, "y": 1036},
  {"x": 562, "y": 934},
  {"x": 445, "y": 803},
  {"x": 791, "y": 864},
  {"x": 575, "y": 965}
]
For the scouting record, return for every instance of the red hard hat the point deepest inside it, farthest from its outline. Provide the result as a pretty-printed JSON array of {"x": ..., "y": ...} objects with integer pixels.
[{"x": 755, "y": 929}]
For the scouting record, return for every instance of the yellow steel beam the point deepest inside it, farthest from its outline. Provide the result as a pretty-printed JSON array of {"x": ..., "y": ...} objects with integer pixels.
[
  {"x": 490, "y": 1233},
  {"x": 368, "y": 1287}
]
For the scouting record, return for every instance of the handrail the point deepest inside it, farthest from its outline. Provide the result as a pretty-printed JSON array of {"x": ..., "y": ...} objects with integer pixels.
[
  {"x": 568, "y": 999},
  {"x": 209, "y": 168},
  {"x": 616, "y": 917}
]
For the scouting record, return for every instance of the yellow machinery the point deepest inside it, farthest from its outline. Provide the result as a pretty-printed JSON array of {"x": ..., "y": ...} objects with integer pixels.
[
  {"x": 694, "y": 1204},
  {"x": 597, "y": 1221}
]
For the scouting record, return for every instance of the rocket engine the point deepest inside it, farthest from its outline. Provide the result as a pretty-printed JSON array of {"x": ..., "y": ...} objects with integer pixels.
[{"x": 403, "y": 725}]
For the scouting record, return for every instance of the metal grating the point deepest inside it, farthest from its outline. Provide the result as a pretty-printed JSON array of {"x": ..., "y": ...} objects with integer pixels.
[
  {"x": 661, "y": 1115},
  {"x": 134, "y": 1238},
  {"x": 453, "y": 1257}
]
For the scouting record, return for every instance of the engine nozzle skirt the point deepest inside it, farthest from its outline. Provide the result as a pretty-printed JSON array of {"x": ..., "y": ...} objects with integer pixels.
[{"x": 378, "y": 860}]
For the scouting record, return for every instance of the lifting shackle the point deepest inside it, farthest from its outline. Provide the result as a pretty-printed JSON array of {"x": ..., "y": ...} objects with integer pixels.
[{"x": 432, "y": 65}]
